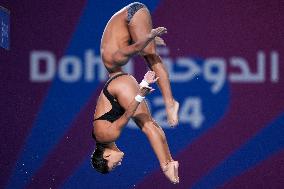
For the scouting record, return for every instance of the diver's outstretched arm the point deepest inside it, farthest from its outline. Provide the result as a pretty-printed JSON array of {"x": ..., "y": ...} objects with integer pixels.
[{"x": 123, "y": 54}]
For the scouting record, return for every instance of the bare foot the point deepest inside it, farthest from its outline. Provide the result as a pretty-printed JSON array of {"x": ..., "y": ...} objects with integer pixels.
[
  {"x": 172, "y": 114},
  {"x": 171, "y": 171}
]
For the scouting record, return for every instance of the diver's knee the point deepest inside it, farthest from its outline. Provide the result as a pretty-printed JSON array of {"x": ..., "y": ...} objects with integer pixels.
[{"x": 150, "y": 127}]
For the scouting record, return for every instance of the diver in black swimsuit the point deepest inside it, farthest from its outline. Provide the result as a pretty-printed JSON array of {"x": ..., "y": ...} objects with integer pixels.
[
  {"x": 116, "y": 111},
  {"x": 101, "y": 163}
]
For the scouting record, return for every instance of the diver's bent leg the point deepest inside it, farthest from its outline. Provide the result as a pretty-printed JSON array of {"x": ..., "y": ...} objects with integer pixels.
[{"x": 139, "y": 26}]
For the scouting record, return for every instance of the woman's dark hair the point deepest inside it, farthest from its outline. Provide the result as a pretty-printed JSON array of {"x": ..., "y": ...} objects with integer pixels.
[{"x": 98, "y": 161}]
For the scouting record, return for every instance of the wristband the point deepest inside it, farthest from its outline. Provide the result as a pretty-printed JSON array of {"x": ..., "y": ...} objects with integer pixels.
[
  {"x": 139, "y": 98},
  {"x": 143, "y": 84}
]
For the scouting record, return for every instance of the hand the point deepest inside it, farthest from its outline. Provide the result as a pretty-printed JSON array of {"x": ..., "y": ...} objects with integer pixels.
[
  {"x": 149, "y": 77},
  {"x": 158, "y": 32},
  {"x": 159, "y": 41}
]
